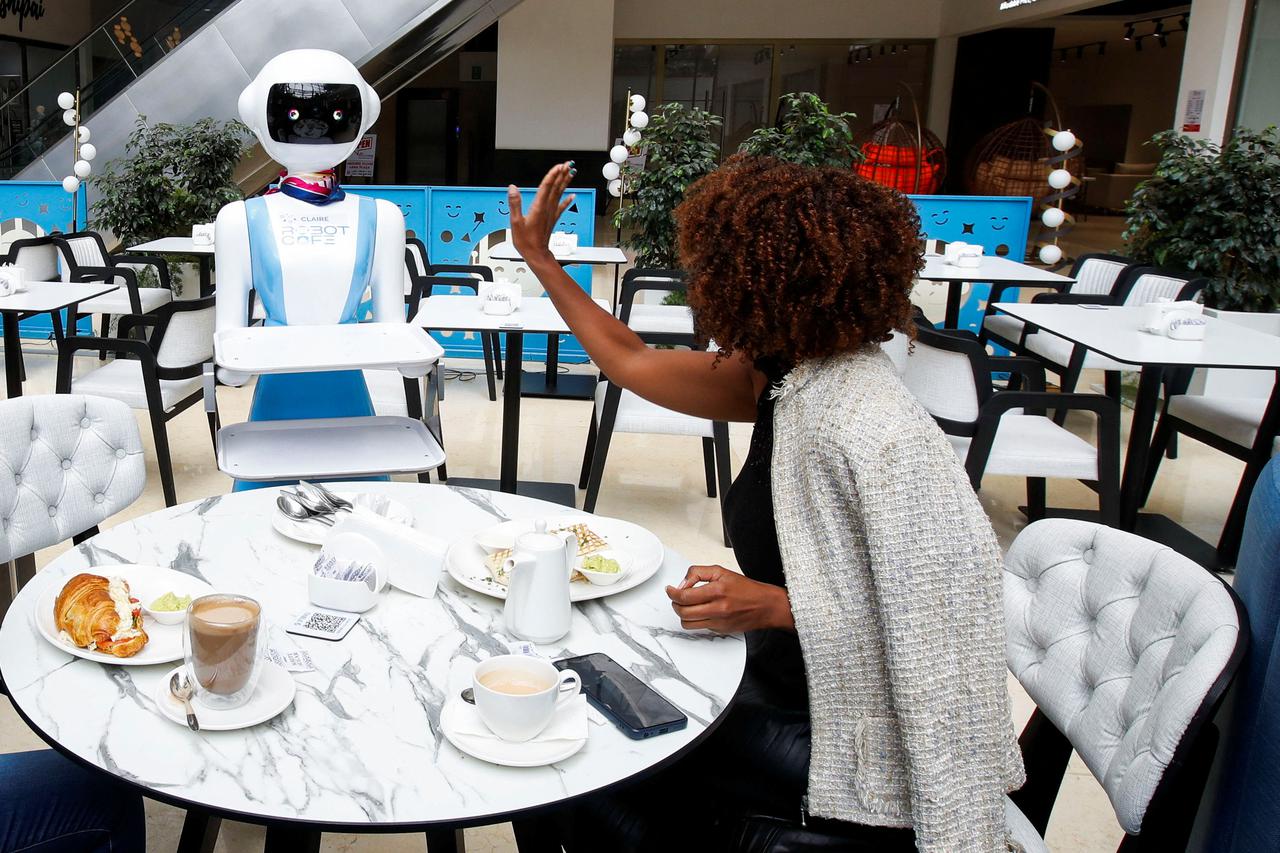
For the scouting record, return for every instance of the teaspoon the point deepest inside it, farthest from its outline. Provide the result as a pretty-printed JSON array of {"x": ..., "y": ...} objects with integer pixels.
[{"x": 182, "y": 690}]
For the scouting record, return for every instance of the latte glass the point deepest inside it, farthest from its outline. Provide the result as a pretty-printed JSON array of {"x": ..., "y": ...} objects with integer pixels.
[{"x": 221, "y": 644}]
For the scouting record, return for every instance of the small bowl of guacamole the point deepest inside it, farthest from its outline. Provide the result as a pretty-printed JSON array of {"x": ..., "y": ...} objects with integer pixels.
[
  {"x": 168, "y": 609},
  {"x": 601, "y": 569}
]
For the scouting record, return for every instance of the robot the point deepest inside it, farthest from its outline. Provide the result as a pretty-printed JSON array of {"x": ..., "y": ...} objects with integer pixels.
[{"x": 309, "y": 250}]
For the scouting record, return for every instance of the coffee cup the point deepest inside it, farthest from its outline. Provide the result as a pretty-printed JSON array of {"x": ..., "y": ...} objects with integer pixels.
[
  {"x": 221, "y": 644},
  {"x": 517, "y": 695}
]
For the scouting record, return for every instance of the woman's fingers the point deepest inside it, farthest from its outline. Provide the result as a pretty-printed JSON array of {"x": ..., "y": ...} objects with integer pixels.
[
  {"x": 697, "y": 574},
  {"x": 564, "y": 205},
  {"x": 515, "y": 204},
  {"x": 693, "y": 595}
]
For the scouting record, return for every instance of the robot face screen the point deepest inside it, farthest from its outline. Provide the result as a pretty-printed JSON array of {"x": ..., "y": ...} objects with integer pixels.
[{"x": 313, "y": 113}]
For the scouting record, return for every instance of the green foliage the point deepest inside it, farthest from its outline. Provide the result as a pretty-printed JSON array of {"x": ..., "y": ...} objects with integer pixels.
[
  {"x": 172, "y": 177},
  {"x": 808, "y": 133},
  {"x": 681, "y": 147},
  {"x": 1214, "y": 211}
]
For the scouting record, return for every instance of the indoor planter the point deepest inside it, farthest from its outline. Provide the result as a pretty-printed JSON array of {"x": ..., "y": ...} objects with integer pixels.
[{"x": 808, "y": 133}]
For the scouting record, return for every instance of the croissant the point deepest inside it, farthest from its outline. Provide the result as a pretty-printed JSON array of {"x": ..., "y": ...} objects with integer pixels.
[{"x": 89, "y": 614}]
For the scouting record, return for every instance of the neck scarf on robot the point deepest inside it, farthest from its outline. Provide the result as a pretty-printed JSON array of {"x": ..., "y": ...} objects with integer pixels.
[{"x": 319, "y": 188}]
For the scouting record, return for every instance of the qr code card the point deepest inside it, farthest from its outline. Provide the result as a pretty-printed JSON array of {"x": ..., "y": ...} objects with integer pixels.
[{"x": 323, "y": 624}]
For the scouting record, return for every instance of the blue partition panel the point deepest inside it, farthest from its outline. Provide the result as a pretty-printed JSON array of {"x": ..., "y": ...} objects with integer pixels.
[
  {"x": 458, "y": 224},
  {"x": 33, "y": 209},
  {"x": 999, "y": 224}
]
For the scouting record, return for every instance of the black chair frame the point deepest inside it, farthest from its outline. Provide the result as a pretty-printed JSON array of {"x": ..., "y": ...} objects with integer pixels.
[
  {"x": 462, "y": 275},
  {"x": 146, "y": 352},
  {"x": 638, "y": 279},
  {"x": 994, "y": 403}
]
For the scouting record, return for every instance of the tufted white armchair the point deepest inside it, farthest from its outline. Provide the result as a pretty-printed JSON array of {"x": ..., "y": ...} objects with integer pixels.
[
  {"x": 67, "y": 462},
  {"x": 1126, "y": 647}
]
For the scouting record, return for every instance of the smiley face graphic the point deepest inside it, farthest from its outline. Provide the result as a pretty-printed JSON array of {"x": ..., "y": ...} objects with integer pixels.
[
  {"x": 503, "y": 209},
  {"x": 941, "y": 218},
  {"x": 453, "y": 211},
  {"x": 999, "y": 223}
]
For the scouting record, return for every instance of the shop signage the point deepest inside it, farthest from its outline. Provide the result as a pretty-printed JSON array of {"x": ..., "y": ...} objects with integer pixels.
[
  {"x": 1195, "y": 111},
  {"x": 360, "y": 163},
  {"x": 22, "y": 9},
  {"x": 1006, "y": 5}
]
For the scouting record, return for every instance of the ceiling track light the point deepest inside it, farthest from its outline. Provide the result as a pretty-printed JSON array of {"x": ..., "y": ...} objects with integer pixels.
[
  {"x": 1159, "y": 27},
  {"x": 1163, "y": 39},
  {"x": 1138, "y": 42},
  {"x": 1128, "y": 32}
]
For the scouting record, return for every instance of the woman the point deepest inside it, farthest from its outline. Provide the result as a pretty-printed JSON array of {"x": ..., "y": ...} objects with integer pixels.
[{"x": 874, "y": 704}]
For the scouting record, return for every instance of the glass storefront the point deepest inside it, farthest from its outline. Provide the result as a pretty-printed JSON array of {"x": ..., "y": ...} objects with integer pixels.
[
  {"x": 1259, "y": 97},
  {"x": 741, "y": 82}
]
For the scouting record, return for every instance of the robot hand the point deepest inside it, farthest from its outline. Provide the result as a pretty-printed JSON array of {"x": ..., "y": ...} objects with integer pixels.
[{"x": 234, "y": 378}]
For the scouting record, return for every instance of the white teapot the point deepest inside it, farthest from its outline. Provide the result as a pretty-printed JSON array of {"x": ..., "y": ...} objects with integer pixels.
[{"x": 538, "y": 608}]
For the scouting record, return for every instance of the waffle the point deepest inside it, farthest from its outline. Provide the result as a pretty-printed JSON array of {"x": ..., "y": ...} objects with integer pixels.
[{"x": 589, "y": 542}]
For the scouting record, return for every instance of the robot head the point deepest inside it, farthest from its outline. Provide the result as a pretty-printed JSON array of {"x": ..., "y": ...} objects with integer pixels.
[{"x": 309, "y": 109}]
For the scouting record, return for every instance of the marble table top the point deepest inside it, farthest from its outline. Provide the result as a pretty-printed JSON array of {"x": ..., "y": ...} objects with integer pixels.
[{"x": 361, "y": 746}]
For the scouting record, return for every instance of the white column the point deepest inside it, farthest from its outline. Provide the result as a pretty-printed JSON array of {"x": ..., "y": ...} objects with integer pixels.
[
  {"x": 555, "y": 73},
  {"x": 1209, "y": 66},
  {"x": 944, "y": 73}
]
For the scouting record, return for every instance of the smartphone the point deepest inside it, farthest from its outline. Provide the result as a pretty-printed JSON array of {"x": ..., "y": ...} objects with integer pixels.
[{"x": 633, "y": 706}]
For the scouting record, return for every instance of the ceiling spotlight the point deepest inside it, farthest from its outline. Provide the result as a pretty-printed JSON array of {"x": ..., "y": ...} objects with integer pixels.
[
  {"x": 1138, "y": 42},
  {"x": 1163, "y": 39},
  {"x": 1062, "y": 55},
  {"x": 1184, "y": 22},
  {"x": 906, "y": 48},
  {"x": 893, "y": 51},
  {"x": 1128, "y": 32},
  {"x": 1159, "y": 27},
  {"x": 882, "y": 50}
]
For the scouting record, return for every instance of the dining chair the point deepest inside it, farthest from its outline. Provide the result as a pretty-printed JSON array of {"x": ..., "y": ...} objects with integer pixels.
[
  {"x": 84, "y": 258},
  {"x": 1243, "y": 795},
  {"x": 160, "y": 375},
  {"x": 618, "y": 410},
  {"x": 1237, "y": 421},
  {"x": 1126, "y": 647},
  {"x": 67, "y": 463},
  {"x": 1095, "y": 277},
  {"x": 450, "y": 278},
  {"x": 1004, "y": 432},
  {"x": 672, "y": 319},
  {"x": 1135, "y": 286}
]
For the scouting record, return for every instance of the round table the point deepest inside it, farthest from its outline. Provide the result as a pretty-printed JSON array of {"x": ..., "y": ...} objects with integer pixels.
[{"x": 360, "y": 749}]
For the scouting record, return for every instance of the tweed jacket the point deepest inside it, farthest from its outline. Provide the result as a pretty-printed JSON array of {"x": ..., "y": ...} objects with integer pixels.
[{"x": 894, "y": 575}]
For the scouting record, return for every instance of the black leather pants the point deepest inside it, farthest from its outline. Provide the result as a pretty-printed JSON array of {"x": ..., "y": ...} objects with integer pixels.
[{"x": 740, "y": 790}]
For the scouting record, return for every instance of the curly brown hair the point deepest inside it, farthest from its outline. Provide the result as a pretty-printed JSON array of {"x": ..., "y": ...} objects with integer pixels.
[{"x": 793, "y": 262}]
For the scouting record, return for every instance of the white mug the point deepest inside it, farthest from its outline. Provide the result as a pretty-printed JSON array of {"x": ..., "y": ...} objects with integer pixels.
[{"x": 521, "y": 716}]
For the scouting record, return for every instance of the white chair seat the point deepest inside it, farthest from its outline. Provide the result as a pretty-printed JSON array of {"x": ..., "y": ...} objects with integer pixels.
[
  {"x": 1009, "y": 328},
  {"x": 636, "y": 414},
  {"x": 122, "y": 380},
  {"x": 1034, "y": 446},
  {"x": 1058, "y": 350},
  {"x": 386, "y": 390},
  {"x": 117, "y": 301},
  {"x": 1021, "y": 831},
  {"x": 671, "y": 319},
  {"x": 1234, "y": 418}
]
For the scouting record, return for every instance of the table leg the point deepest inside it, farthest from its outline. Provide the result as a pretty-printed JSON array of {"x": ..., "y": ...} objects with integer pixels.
[
  {"x": 12, "y": 356},
  {"x": 1135, "y": 460},
  {"x": 445, "y": 841},
  {"x": 537, "y": 835},
  {"x": 511, "y": 413},
  {"x": 553, "y": 361},
  {"x": 955, "y": 290},
  {"x": 206, "y": 275},
  {"x": 291, "y": 838},
  {"x": 199, "y": 832}
]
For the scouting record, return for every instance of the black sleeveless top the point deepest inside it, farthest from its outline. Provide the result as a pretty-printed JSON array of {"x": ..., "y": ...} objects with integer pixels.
[{"x": 774, "y": 660}]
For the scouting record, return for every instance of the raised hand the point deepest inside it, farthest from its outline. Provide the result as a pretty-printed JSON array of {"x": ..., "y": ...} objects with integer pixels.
[{"x": 531, "y": 231}]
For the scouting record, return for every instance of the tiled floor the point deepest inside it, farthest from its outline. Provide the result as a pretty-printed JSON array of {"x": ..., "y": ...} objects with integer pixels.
[{"x": 657, "y": 482}]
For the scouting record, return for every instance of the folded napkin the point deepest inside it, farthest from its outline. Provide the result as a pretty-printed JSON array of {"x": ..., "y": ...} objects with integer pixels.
[
  {"x": 569, "y": 722},
  {"x": 415, "y": 559}
]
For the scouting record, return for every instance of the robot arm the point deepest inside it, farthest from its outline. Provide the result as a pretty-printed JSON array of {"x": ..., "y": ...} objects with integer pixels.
[
  {"x": 387, "y": 280},
  {"x": 235, "y": 279}
]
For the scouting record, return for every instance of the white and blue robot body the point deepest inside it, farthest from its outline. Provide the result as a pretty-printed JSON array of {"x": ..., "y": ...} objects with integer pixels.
[{"x": 312, "y": 253}]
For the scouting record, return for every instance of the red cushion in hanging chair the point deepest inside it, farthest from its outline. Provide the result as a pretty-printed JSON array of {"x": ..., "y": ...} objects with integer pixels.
[{"x": 894, "y": 166}]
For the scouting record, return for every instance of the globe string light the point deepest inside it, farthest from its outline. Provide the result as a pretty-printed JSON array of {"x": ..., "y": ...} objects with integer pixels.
[
  {"x": 618, "y": 177},
  {"x": 1064, "y": 186},
  {"x": 82, "y": 152}
]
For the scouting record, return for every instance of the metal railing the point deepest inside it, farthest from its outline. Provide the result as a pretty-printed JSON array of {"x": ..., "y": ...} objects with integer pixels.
[{"x": 103, "y": 64}]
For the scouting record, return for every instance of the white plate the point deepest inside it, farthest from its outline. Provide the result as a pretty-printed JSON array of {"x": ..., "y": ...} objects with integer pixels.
[
  {"x": 532, "y": 753},
  {"x": 273, "y": 694},
  {"x": 146, "y": 583},
  {"x": 314, "y": 533},
  {"x": 638, "y": 550}
]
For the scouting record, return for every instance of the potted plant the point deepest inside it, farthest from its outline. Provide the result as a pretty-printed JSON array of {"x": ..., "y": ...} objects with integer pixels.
[
  {"x": 172, "y": 177},
  {"x": 1214, "y": 210},
  {"x": 808, "y": 133},
  {"x": 680, "y": 147}
]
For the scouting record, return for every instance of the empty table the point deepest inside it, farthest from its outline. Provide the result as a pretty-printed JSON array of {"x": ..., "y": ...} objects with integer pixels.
[
  {"x": 535, "y": 316},
  {"x": 360, "y": 749},
  {"x": 990, "y": 268},
  {"x": 40, "y": 297},
  {"x": 184, "y": 247},
  {"x": 1114, "y": 331},
  {"x": 590, "y": 255}
]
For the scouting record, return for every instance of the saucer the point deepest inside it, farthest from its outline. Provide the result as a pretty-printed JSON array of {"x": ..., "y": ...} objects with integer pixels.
[
  {"x": 273, "y": 694},
  {"x": 530, "y": 753}
]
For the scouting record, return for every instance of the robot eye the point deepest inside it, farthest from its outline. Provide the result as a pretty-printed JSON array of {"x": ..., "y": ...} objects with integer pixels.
[
  {"x": 294, "y": 114},
  {"x": 338, "y": 114}
]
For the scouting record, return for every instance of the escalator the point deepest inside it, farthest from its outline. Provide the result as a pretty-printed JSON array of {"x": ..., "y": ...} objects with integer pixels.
[{"x": 182, "y": 61}]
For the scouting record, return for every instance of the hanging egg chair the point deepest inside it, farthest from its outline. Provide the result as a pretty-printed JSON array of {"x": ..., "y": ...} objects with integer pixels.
[
  {"x": 1014, "y": 159},
  {"x": 903, "y": 155}
]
